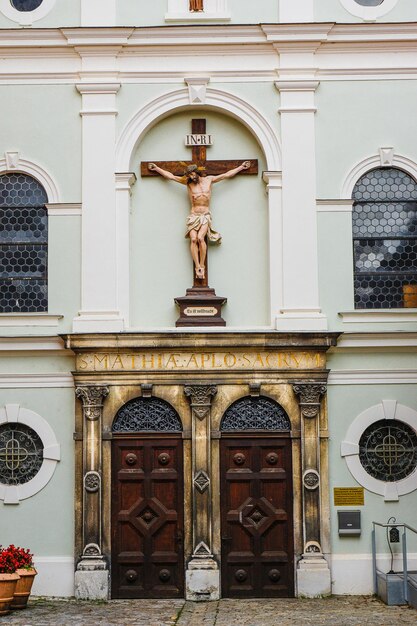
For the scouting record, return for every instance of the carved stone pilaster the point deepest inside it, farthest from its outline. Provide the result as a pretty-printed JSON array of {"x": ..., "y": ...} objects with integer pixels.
[
  {"x": 313, "y": 575},
  {"x": 87, "y": 584},
  {"x": 202, "y": 576}
]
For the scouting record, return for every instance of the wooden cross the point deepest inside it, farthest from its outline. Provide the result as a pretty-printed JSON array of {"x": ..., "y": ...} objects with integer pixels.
[
  {"x": 199, "y": 141},
  {"x": 196, "y": 5}
]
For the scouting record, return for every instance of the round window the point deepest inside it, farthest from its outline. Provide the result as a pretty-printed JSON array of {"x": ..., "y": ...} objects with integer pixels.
[
  {"x": 369, "y": 3},
  {"x": 21, "y": 454},
  {"x": 26, "y": 5},
  {"x": 388, "y": 450}
]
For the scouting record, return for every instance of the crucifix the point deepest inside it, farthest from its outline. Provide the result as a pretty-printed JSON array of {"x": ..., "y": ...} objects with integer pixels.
[
  {"x": 199, "y": 175},
  {"x": 196, "y": 5}
]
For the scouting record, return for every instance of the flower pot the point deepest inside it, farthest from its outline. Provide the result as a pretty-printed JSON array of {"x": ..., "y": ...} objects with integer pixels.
[
  {"x": 7, "y": 588},
  {"x": 23, "y": 587}
]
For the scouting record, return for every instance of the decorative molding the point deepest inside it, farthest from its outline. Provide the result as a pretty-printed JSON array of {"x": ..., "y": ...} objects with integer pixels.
[
  {"x": 197, "y": 88},
  {"x": 92, "y": 482},
  {"x": 273, "y": 180},
  {"x": 34, "y": 344},
  {"x": 26, "y": 381},
  {"x": 379, "y": 316},
  {"x": 201, "y": 481},
  {"x": 368, "y": 13},
  {"x": 29, "y": 319},
  {"x": 372, "y": 162},
  {"x": 373, "y": 377},
  {"x": 12, "y": 160},
  {"x": 349, "y": 449},
  {"x": 311, "y": 479},
  {"x": 36, "y": 171},
  {"x": 334, "y": 206},
  {"x": 387, "y": 156},
  {"x": 146, "y": 117},
  {"x": 125, "y": 181},
  {"x": 383, "y": 341},
  {"x": 10, "y": 413},
  {"x": 64, "y": 209},
  {"x": 26, "y": 18}
]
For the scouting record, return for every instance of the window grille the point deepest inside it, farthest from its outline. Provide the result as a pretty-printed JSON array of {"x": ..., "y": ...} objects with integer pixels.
[
  {"x": 385, "y": 240},
  {"x": 23, "y": 245},
  {"x": 26, "y": 5},
  {"x": 21, "y": 454},
  {"x": 147, "y": 415},
  {"x": 388, "y": 450},
  {"x": 255, "y": 413}
]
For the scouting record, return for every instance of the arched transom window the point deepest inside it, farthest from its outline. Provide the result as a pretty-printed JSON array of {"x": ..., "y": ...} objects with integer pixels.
[
  {"x": 385, "y": 240},
  {"x": 23, "y": 245}
]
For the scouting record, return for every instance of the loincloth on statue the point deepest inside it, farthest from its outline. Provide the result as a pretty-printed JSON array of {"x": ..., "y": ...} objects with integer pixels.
[{"x": 195, "y": 222}]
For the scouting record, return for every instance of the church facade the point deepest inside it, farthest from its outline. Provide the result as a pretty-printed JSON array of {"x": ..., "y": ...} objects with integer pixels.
[{"x": 177, "y": 421}]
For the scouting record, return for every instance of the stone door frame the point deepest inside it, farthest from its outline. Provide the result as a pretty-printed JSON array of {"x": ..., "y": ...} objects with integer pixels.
[{"x": 200, "y": 398}]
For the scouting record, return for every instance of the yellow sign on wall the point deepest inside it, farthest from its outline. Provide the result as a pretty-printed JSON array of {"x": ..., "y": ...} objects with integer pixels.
[{"x": 349, "y": 496}]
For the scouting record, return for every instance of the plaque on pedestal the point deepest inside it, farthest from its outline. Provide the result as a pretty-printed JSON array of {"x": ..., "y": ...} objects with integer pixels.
[{"x": 200, "y": 307}]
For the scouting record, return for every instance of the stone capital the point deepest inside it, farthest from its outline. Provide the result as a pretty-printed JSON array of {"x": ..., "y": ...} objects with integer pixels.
[
  {"x": 309, "y": 397},
  {"x": 92, "y": 399},
  {"x": 200, "y": 398}
]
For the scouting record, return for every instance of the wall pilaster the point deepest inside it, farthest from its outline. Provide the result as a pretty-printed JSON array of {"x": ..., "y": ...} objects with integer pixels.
[
  {"x": 313, "y": 574},
  {"x": 300, "y": 309},
  {"x": 99, "y": 305},
  {"x": 92, "y": 576},
  {"x": 202, "y": 575}
]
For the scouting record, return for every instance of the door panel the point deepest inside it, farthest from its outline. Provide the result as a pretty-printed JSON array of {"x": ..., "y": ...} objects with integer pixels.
[
  {"x": 147, "y": 518},
  {"x": 257, "y": 529}
]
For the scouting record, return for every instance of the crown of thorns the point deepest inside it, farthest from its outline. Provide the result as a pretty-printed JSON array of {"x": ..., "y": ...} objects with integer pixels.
[{"x": 189, "y": 169}]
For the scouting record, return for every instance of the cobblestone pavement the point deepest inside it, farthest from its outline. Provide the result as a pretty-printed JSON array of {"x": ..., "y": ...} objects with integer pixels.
[{"x": 336, "y": 611}]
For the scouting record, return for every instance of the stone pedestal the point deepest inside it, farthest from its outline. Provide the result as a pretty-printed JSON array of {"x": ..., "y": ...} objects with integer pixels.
[
  {"x": 313, "y": 577},
  {"x": 200, "y": 307},
  {"x": 202, "y": 580},
  {"x": 92, "y": 580}
]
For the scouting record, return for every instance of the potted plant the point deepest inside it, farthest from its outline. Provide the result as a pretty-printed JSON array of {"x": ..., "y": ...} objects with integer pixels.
[
  {"x": 24, "y": 561},
  {"x": 8, "y": 579}
]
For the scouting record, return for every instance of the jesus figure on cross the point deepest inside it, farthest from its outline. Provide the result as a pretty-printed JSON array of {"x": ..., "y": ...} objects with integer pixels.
[{"x": 199, "y": 220}]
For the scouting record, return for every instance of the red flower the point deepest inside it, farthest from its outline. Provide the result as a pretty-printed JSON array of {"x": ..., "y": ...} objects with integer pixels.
[{"x": 13, "y": 558}]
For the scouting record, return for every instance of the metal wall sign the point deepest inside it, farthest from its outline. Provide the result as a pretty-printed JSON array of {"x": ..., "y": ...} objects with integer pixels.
[{"x": 349, "y": 496}]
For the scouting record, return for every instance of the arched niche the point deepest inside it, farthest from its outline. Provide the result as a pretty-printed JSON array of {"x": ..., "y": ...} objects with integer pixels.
[{"x": 160, "y": 262}]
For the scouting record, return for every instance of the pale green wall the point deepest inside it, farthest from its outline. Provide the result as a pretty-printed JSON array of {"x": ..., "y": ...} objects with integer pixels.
[
  {"x": 354, "y": 119},
  {"x": 65, "y": 13},
  {"x": 333, "y": 11},
  {"x": 345, "y": 402},
  {"x": 350, "y": 127},
  {"x": 131, "y": 12},
  {"x": 160, "y": 262},
  {"x": 45, "y": 522},
  {"x": 42, "y": 122}
]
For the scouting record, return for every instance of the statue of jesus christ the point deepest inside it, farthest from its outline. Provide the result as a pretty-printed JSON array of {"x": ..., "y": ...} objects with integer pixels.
[
  {"x": 196, "y": 5},
  {"x": 199, "y": 220}
]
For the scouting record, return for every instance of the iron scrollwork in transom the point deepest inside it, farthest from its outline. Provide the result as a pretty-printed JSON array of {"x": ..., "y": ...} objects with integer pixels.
[
  {"x": 309, "y": 396},
  {"x": 255, "y": 413},
  {"x": 147, "y": 415},
  {"x": 200, "y": 398}
]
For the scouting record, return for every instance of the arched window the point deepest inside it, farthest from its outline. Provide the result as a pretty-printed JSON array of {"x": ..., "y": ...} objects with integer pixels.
[
  {"x": 257, "y": 414},
  {"x": 385, "y": 240},
  {"x": 23, "y": 245},
  {"x": 147, "y": 415}
]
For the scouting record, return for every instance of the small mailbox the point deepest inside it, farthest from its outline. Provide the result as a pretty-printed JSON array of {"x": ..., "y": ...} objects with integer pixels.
[{"x": 349, "y": 522}]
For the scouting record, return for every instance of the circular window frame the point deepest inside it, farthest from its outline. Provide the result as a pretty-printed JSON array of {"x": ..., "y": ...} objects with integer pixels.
[
  {"x": 26, "y": 18},
  {"x": 12, "y": 413},
  {"x": 368, "y": 13},
  {"x": 349, "y": 449}
]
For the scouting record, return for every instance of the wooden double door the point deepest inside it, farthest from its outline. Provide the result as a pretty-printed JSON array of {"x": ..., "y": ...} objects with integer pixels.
[
  {"x": 147, "y": 518},
  {"x": 256, "y": 517}
]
